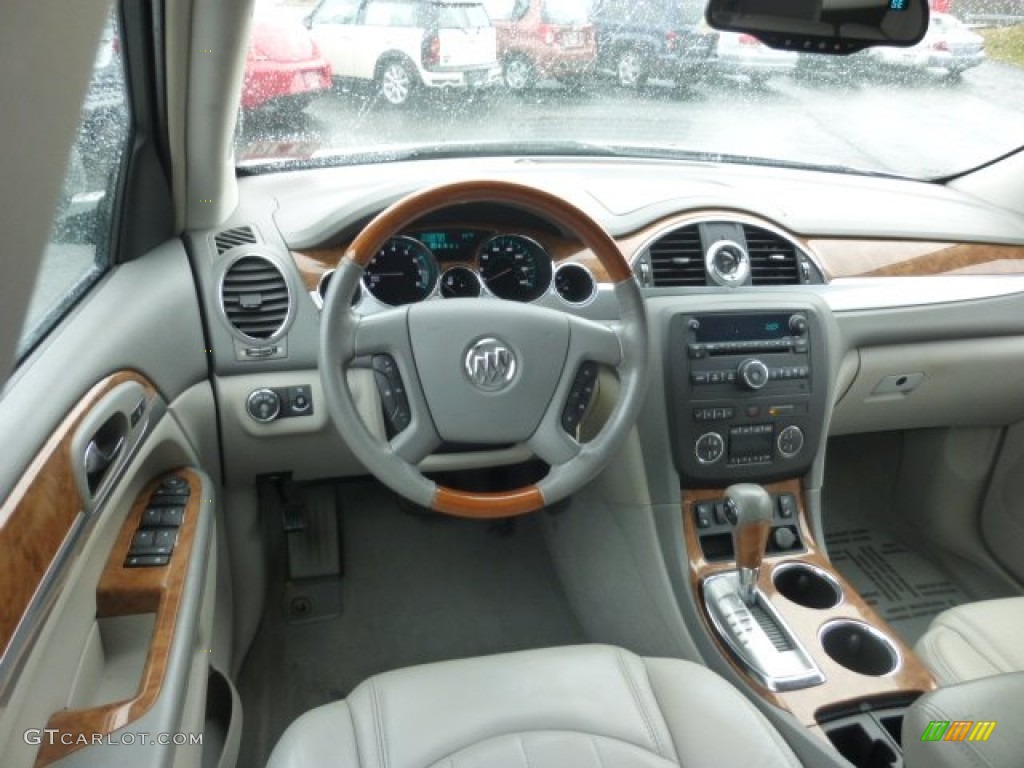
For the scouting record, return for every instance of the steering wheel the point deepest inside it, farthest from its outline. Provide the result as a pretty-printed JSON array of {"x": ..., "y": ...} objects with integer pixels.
[{"x": 482, "y": 370}]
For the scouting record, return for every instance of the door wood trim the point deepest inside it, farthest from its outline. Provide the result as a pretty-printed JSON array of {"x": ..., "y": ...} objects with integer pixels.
[
  {"x": 41, "y": 511},
  {"x": 129, "y": 591}
]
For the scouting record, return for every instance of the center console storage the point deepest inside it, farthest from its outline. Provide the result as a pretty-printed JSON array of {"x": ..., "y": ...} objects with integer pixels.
[{"x": 868, "y": 736}]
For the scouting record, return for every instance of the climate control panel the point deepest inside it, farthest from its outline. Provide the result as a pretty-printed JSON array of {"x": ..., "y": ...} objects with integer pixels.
[{"x": 747, "y": 393}]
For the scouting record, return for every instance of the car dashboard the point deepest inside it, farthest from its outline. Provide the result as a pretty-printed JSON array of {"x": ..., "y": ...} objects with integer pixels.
[{"x": 698, "y": 236}]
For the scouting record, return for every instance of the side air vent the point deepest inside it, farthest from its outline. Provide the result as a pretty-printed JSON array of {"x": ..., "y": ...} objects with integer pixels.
[
  {"x": 231, "y": 238},
  {"x": 255, "y": 297},
  {"x": 773, "y": 259},
  {"x": 677, "y": 259}
]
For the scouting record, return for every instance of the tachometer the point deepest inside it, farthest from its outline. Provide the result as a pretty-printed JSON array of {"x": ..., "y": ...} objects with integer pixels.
[
  {"x": 515, "y": 267},
  {"x": 403, "y": 271}
]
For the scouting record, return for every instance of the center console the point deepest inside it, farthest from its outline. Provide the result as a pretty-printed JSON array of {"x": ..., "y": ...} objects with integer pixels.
[{"x": 748, "y": 396}]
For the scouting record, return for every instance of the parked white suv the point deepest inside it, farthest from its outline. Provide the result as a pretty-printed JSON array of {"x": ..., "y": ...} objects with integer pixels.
[{"x": 403, "y": 44}]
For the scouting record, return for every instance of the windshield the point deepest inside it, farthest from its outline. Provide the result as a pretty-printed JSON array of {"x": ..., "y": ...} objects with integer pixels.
[
  {"x": 566, "y": 11},
  {"x": 382, "y": 80}
]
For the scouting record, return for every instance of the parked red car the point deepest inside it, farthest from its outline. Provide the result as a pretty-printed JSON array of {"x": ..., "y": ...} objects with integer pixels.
[
  {"x": 543, "y": 38},
  {"x": 283, "y": 68}
]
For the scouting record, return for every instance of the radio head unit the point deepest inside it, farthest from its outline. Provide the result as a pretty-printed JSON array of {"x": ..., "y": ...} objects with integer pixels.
[{"x": 747, "y": 394}]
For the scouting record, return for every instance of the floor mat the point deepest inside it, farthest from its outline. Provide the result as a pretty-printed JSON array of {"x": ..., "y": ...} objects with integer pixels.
[
  {"x": 905, "y": 588},
  {"x": 416, "y": 589}
]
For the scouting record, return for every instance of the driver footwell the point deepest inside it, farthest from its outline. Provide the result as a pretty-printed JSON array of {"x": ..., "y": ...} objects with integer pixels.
[{"x": 414, "y": 589}]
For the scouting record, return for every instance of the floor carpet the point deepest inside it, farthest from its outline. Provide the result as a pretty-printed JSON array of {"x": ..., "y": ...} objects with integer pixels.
[{"x": 415, "y": 589}]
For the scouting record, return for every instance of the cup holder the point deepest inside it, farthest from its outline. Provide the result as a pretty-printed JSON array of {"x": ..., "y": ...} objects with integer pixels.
[
  {"x": 807, "y": 586},
  {"x": 859, "y": 647}
]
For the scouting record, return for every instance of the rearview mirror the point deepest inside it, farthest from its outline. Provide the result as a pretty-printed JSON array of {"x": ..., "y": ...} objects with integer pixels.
[{"x": 823, "y": 26}]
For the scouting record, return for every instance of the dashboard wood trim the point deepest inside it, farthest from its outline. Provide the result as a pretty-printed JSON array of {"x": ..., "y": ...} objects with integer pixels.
[
  {"x": 841, "y": 685},
  {"x": 837, "y": 257},
  {"x": 129, "y": 591},
  {"x": 911, "y": 258},
  {"x": 37, "y": 516}
]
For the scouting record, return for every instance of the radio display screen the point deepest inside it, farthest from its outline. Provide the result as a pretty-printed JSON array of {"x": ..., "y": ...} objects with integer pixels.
[{"x": 715, "y": 328}]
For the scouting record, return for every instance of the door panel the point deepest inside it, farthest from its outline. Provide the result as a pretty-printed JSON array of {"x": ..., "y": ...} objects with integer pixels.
[
  {"x": 96, "y": 650},
  {"x": 144, "y": 317}
]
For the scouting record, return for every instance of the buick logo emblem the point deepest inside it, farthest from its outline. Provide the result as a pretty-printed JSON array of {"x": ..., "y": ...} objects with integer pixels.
[{"x": 490, "y": 365}]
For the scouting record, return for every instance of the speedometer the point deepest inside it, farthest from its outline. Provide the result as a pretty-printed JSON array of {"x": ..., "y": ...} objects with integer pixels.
[
  {"x": 403, "y": 271},
  {"x": 515, "y": 267}
]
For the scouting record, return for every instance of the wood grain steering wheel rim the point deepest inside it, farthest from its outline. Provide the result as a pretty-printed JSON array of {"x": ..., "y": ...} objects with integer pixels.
[{"x": 340, "y": 326}]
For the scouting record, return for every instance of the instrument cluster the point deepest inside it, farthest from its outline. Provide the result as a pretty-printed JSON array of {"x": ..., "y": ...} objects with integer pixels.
[{"x": 465, "y": 262}]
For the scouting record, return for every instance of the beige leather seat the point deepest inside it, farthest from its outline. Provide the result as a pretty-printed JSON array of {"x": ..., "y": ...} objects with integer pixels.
[
  {"x": 975, "y": 640},
  {"x": 575, "y": 707}
]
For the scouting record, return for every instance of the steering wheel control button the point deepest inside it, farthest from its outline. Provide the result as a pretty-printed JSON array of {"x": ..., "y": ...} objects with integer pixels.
[
  {"x": 790, "y": 442},
  {"x": 490, "y": 364},
  {"x": 580, "y": 395},
  {"x": 392, "y": 393},
  {"x": 753, "y": 374},
  {"x": 263, "y": 405},
  {"x": 709, "y": 448}
]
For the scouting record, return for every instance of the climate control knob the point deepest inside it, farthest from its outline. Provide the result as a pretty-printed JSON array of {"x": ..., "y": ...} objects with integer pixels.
[
  {"x": 709, "y": 447},
  {"x": 790, "y": 441},
  {"x": 752, "y": 373},
  {"x": 263, "y": 405}
]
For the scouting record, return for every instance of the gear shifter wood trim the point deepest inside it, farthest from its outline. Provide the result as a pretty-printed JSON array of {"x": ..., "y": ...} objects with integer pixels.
[{"x": 841, "y": 686}]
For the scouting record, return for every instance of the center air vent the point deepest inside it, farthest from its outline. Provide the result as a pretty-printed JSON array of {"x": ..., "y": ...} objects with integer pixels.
[
  {"x": 681, "y": 257},
  {"x": 677, "y": 259},
  {"x": 255, "y": 297},
  {"x": 232, "y": 238},
  {"x": 773, "y": 259}
]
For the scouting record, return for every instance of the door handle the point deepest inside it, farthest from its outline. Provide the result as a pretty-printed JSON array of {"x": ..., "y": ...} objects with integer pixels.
[{"x": 103, "y": 450}]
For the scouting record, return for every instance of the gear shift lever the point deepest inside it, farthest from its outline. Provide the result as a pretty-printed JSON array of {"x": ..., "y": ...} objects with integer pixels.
[{"x": 749, "y": 508}]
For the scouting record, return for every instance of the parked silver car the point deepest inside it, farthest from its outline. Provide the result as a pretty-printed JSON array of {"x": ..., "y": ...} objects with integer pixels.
[
  {"x": 743, "y": 54},
  {"x": 948, "y": 45}
]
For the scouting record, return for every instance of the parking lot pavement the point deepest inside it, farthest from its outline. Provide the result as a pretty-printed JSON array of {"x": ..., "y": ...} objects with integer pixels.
[{"x": 918, "y": 126}]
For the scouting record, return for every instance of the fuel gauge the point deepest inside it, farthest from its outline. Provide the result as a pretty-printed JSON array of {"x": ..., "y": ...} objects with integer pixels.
[{"x": 459, "y": 283}]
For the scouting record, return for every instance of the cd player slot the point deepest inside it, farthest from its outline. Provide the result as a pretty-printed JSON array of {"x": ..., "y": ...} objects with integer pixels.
[{"x": 727, "y": 348}]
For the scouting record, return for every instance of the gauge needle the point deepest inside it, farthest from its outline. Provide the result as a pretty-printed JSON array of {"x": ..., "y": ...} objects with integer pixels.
[
  {"x": 502, "y": 274},
  {"x": 389, "y": 274}
]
